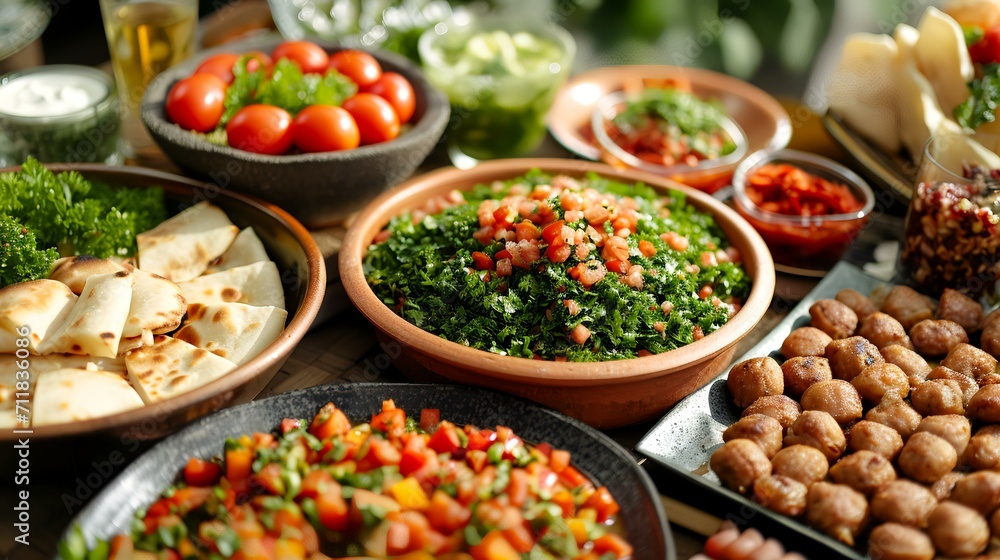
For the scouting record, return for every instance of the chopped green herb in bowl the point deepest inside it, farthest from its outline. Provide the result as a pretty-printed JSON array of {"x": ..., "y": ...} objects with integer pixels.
[{"x": 557, "y": 268}]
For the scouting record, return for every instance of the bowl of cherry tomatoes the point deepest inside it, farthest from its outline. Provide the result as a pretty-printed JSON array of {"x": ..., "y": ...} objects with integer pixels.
[{"x": 318, "y": 130}]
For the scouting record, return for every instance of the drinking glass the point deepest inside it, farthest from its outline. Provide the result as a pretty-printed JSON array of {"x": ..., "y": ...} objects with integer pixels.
[
  {"x": 952, "y": 233},
  {"x": 145, "y": 37},
  {"x": 501, "y": 76}
]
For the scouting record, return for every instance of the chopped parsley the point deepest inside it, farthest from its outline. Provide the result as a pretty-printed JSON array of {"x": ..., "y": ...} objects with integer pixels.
[{"x": 426, "y": 272}]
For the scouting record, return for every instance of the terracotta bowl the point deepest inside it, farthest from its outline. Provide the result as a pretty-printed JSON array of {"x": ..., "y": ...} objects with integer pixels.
[
  {"x": 303, "y": 275},
  {"x": 762, "y": 118},
  {"x": 319, "y": 189},
  {"x": 605, "y": 394}
]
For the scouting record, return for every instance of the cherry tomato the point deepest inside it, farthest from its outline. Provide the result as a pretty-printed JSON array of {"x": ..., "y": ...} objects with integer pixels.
[
  {"x": 395, "y": 89},
  {"x": 310, "y": 57},
  {"x": 357, "y": 65},
  {"x": 987, "y": 49},
  {"x": 259, "y": 58},
  {"x": 196, "y": 102},
  {"x": 263, "y": 129},
  {"x": 377, "y": 121},
  {"x": 325, "y": 128},
  {"x": 220, "y": 65}
]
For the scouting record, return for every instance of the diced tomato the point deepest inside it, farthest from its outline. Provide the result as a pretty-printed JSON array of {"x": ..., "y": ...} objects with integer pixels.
[
  {"x": 480, "y": 440},
  {"x": 189, "y": 498},
  {"x": 705, "y": 292},
  {"x": 559, "y": 460},
  {"x": 646, "y": 248},
  {"x": 621, "y": 267},
  {"x": 329, "y": 422},
  {"x": 397, "y": 538},
  {"x": 564, "y": 500},
  {"x": 289, "y": 424},
  {"x": 269, "y": 478},
  {"x": 332, "y": 509},
  {"x": 502, "y": 254},
  {"x": 494, "y": 547},
  {"x": 517, "y": 488},
  {"x": 614, "y": 544},
  {"x": 482, "y": 261},
  {"x": 445, "y": 438},
  {"x": 262, "y": 440},
  {"x": 558, "y": 253},
  {"x": 392, "y": 422},
  {"x": 519, "y": 537},
  {"x": 288, "y": 516},
  {"x": 446, "y": 514},
  {"x": 476, "y": 459},
  {"x": 544, "y": 448},
  {"x": 550, "y": 233},
  {"x": 252, "y": 548},
  {"x": 484, "y": 235},
  {"x": 431, "y": 417},
  {"x": 381, "y": 453},
  {"x": 580, "y": 334},
  {"x": 366, "y": 499},
  {"x": 605, "y": 505},
  {"x": 504, "y": 216},
  {"x": 526, "y": 230},
  {"x": 317, "y": 482},
  {"x": 198, "y": 472},
  {"x": 573, "y": 479},
  {"x": 414, "y": 456}
]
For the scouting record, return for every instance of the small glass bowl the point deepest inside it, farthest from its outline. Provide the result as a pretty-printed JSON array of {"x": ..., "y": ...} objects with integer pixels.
[
  {"x": 89, "y": 134},
  {"x": 804, "y": 242},
  {"x": 708, "y": 175}
]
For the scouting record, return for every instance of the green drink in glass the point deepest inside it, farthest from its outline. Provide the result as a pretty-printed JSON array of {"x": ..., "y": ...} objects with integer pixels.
[{"x": 501, "y": 77}]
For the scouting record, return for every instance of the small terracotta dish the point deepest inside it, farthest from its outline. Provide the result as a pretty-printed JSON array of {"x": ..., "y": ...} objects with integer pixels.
[
  {"x": 603, "y": 394},
  {"x": 762, "y": 118}
]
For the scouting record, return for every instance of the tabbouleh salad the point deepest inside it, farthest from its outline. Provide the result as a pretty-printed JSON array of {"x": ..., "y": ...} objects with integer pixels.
[{"x": 558, "y": 268}]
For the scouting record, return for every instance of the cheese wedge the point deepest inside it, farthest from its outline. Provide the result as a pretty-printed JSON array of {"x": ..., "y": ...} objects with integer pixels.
[
  {"x": 233, "y": 331},
  {"x": 74, "y": 271},
  {"x": 158, "y": 306},
  {"x": 170, "y": 367},
  {"x": 40, "y": 305},
  {"x": 72, "y": 395},
  {"x": 257, "y": 284},
  {"x": 94, "y": 325},
  {"x": 182, "y": 247},
  {"x": 246, "y": 249}
]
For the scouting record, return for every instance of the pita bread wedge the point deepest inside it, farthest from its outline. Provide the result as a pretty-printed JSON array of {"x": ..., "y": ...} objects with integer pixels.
[
  {"x": 41, "y": 305},
  {"x": 9, "y": 390},
  {"x": 157, "y": 307},
  {"x": 257, "y": 284},
  {"x": 182, "y": 247},
  {"x": 94, "y": 325},
  {"x": 74, "y": 271},
  {"x": 170, "y": 367},
  {"x": 246, "y": 249},
  {"x": 72, "y": 395},
  {"x": 233, "y": 331},
  {"x": 52, "y": 362}
]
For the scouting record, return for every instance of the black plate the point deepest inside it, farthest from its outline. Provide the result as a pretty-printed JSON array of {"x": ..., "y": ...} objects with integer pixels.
[
  {"x": 683, "y": 441},
  {"x": 596, "y": 454}
]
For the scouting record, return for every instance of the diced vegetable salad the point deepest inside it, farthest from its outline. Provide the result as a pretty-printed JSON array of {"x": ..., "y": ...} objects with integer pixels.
[
  {"x": 397, "y": 486},
  {"x": 558, "y": 268}
]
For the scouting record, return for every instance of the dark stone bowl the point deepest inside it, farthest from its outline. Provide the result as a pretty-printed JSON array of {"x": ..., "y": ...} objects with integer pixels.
[
  {"x": 319, "y": 189},
  {"x": 594, "y": 453}
]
